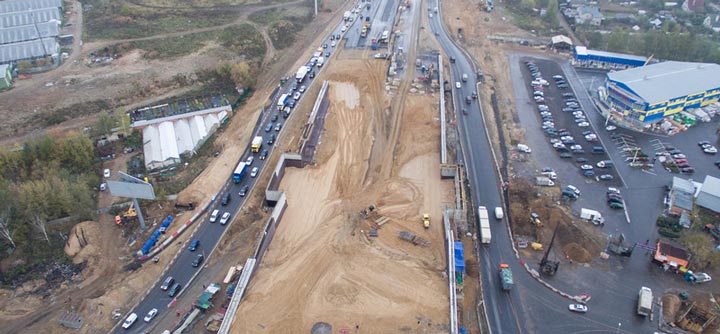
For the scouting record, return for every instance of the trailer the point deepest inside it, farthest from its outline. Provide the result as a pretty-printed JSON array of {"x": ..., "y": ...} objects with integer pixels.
[
  {"x": 301, "y": 73},
  {"x": 239, "y": 172},
  {"x": 282, "y": 101},
  {"x": 485, "y": 233}
]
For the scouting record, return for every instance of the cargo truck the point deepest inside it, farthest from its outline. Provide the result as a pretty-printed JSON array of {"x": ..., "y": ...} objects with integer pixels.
[
  {"x": 301, "y": 73},
  {"x": 256, "y": 144},
  {"x": 282, "y": 101},
  {"x": 485, "y": 233},
  {"x": 239, "y": 172},
  {"x": 506, "y": 277},
  {"x": 346, "y": 16},
  {"x": 645, "y": 299}
]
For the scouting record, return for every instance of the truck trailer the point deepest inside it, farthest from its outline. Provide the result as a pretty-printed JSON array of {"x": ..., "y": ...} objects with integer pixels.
[
  {"x": 485, "y": 234},
  {"x": 506, "y": 277},
  {"x": 239, "y": 172},
  {"x": 301, "y": 73},
  {"x": 256, "y": 144},
  {"x": 282, "y": 101}
]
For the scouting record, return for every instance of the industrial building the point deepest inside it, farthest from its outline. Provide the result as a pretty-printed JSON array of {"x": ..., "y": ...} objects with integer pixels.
[
  {"x": 656, "y": 97},
  {"x": 606, "y": 60},
  {"x": 29, "y": 30}
]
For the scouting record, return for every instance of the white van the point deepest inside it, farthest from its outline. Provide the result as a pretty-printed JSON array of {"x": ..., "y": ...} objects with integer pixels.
[
  {"x": 499, "y": 213},
  {"x": 214, "y": 216},
  {"x": 129, "y": 321}
]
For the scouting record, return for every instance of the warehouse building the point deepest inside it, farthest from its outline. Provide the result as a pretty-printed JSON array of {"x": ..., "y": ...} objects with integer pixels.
[
  {"x": 29, "y": 32},
  {"x": 606, "y": 60},
  {"x": 28, "y": 50},
  {"x": 8, "y": 6},
  {"x": 645, "y": 98}
]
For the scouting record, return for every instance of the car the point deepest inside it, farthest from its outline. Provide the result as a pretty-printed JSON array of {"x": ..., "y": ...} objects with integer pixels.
[
  {"x": 555, "y": 141},
  {"x": 709, "y": 149},
  {"x": 565, "y": 137},
  {"x": 545, "y": 113},
  {"x": 106, "y": 173},
  {"x": 452, "y": 60},
  {"x": 263, "y": 154},
  {"x": 332, "y": 44},
  {"x": 149, "y": 317},
  {"x": 687, "y": 170},
  {"x": 610, "y": 128},
  {"x": 175, "y": 289},
  {"x": 254, "y": 172},
  {"x": 679, "y": 156},
  {"x": 103, "y": 186},
  {"x": 580, "y": 308},
  {"x": 249, "y": 160},
  {"x": 458, "y": 85},
  {"x": 583, "y": 124},
  {"x": 327, "y": 54},
  {"x": 573, "y": 188},
  {"x": 198, "y": 260},
  {"x": 581, "y": 160},
  {"x": 701, "y": 278},
  {"x": 297, "y": 96},
  {"x": 244, "y": 190},
  {"x": 580, "y": 151},
  {"x": 616, "y": 205},
  {"x": 680, "y": 161},
  {"x": 717, "y": 163},
  {"x": 271, "y": 140},
  {"x": 225, "y": 217},
  {"x": 576, "y": 147},
  {"x": 586, "y": 167},
  {"x": 614, "y": 199},
  {"x": 129, "y": 321},
  {"x": 311, "y": 75},
  {"x": 561, "y": 148},
  {"x": 589, "y": 173},
  {"x": 324, "y": 46},
  {"x": 268, "y": 127},
  {"x": 682, "y": 164},
  {"x": 566, "y": 155},
  {"x": 569, "y": 195},
  {"x": 569, "y": 95},
  {"x": 194, "y": 245},
  {"x": 167, "y": 283},
  {"x": 563, "y": 86},
  {"x": 301, "y": 89},
  {"x": 278, "y": 126},
  {"x": 591, "y": 137},
  {"x": 548, "y": 170},
  {"x": 606, "y": 177},
  {"x": 611, "y": 190}
]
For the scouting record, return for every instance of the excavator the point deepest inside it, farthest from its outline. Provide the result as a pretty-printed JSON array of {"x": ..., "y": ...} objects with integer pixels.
[{"x": 126, "y": 217}]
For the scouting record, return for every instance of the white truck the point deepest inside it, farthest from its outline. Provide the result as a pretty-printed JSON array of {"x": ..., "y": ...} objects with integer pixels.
[
  {"x": 544, "y": 181},
  {"x": 645, "y": 300},
  {"x": 485, "y": 234},
  {"x": 592, "y": 216},
  {"x": 301, "y": 73},
  {"x": 320, "y": 61},
  {"x": 282, "y": 101},
  {"x": 346, "y": 16}
]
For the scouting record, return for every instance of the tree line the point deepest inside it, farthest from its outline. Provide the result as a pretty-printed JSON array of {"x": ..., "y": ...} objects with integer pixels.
[{"x": 49, "y": 178}]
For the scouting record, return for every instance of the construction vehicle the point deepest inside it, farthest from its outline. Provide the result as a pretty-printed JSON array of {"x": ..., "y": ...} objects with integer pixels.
[
  {"x": 535, "y": 219},
  {"x": 126, "y": 217},
  {"x": 256, "y": 144},
  {"x": 426, "y": 221},
  {"x": 505, "y": 276},
  {"x": 546, "y": 266}
]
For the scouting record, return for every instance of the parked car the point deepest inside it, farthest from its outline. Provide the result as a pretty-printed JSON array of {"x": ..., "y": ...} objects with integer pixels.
[
  {"x": 583, "y": 124},
  {"x": 588, "y": 173},
  {"x": 616, "y": 205},
  {"x": 606, "y": 177},
  {"x": 586, "y": 167},
  {"x": 580, "y": 308},
  {"x": 566, "y": 155}
]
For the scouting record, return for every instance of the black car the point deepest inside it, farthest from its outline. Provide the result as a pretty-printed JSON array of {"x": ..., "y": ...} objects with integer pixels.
[
  {"x": 175, "y": 289},
  {"x": 244, "y": 190},
  {"x": 294, "y": 86},
  {"x": 198, "y": 260},
  {"x": 271, "y": 140},
  {"x": 274, "y": 118},
  {"x": 566, "y": 155},
  {"x": 312, "y": 74},
  {"x": 226, "y": 199},
  {"x": 263, "y": 154},
  {"x": 452, "y": 60}
]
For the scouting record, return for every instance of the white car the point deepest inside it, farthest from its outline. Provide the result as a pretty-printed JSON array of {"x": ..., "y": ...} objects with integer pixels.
[
  {"x": 580, "y": 308},
  {"x": 458, "y": 85},
  {"x": 249, "y": 160},
  {"x": 611, "y": 190},
  {"x": 129, "y": 321},
  {"x": 583, "y": 124},
  {"x": 333, "y": 44},
  {"x": 297, "y": 96},
  {"x": 702, "y": 278},
  {"x": 225, "y": 218},
  {"x": 302, "y": 89},
  {"x": 524, "y": 148},
  {"x": 573, "y": 188},
  {"x": 214, "y": 216},
  {"x": 254, "y": 172},
  {"x": 709, "y": 149},
  {"x": 149, "y": 317},
  {"x": 591, "y": 137},
  {"x": 343, "y": 29},
  {"x": 586, "y": 167},
  {"x": 610, "y": 127},
  {"x": 106, "y": 173}
]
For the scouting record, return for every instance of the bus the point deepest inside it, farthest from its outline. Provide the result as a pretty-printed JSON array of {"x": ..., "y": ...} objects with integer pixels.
[{"x": 485, "y": 234}]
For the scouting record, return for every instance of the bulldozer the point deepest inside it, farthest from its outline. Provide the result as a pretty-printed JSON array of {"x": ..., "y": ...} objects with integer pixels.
[
  {"x": 426, "y": 221},
  {"x": 126, "y": 217}
]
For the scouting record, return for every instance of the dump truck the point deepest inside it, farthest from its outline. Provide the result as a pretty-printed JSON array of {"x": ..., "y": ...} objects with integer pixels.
[
  {"x": 506, "y": 277},
  {"x": 426, "y": 221},
  {"x": 592, "y": 216},
  {"x": 544, "y": 181},
  {"x": 256, "y": 144}
]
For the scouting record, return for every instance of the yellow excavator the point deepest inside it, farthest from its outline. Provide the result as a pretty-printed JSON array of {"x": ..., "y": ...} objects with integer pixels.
[
  {"x": 426, "y": 221},
  {"x": 127, "y": 216}
]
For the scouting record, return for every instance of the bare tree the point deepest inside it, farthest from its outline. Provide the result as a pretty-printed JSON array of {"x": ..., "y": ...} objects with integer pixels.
[
  {"x": 4, "y": 226},
  {"x": 39, "y": 224}
]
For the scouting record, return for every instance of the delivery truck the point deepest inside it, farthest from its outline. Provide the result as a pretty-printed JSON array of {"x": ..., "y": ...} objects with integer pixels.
[{"x": 256, "y": 144}]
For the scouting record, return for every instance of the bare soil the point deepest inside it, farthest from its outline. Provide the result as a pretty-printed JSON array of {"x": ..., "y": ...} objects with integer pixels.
[{"x": 322, "y": 266}]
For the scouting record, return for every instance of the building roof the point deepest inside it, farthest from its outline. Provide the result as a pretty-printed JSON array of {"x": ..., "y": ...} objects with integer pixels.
[
  {"x": 667, "y": 80},
  {"x": 709, "y": 195},
  {"x": 8, "y": 6},
  {"x": 592, "y": 10},
  {"x": 584, "y": 51},
  {"x": 670, "y": 250},
  {"x": 561, "y": 39},
  {"x": 26, "y": 17},
  {"x": 711, "y": 186},
  {"x": 683, "y": 185},
  {"x": 3, "y": 68},
  {"x": 29, "y": 32},
  {"x": 27, "y": 50}
]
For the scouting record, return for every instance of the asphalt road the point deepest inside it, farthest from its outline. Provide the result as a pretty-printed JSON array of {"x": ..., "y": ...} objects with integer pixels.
[
  {"x": 210, "y": 233},
  {"x": 381, "y": 14}
]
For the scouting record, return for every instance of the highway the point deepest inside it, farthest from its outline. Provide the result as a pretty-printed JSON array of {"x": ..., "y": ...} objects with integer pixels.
[{"x": 210, "y": 233}]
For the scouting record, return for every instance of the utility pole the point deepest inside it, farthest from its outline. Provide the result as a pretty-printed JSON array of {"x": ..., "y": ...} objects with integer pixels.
[{"x": 316, "y": 8}]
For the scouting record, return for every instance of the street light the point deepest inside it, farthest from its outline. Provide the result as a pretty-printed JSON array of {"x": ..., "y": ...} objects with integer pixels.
[{"x": 618, "y": 329}]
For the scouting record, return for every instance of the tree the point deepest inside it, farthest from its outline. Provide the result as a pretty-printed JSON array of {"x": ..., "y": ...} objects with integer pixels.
[
  {"x": 527, "y": 5},
  {"x": 595, "y": 40},
  {"x": 24, "y": 65},
  {"x": 700, "y": 247},
  {"x": 551, "y": 15},
  {"x": 106, "y": 123},
  {"x": 241, "y": 76},
  {"x": 39, "y": 224},
  {"x": 5, "y": 227}
]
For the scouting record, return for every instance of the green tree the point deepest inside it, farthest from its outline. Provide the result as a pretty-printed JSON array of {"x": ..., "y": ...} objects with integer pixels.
[
  {"x": 105, "y": 124},
  {"x": 241, "y": 75},
  {"x": 700, "y": 246},
  {"x": 595, "y": 40},
  {"x": 527, "y": 5},
  {"x": 551, "y": 15}
]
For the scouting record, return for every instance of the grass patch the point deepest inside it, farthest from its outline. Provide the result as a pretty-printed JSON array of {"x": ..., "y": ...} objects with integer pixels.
[
  {"x": 283, "y": 23},
  {"x": 174, "y": 46},
  {"x": 243, "y": 39}
]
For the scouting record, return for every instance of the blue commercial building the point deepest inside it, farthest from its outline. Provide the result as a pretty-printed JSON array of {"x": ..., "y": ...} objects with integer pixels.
[
  {"x": 641, "y": 97},
  {"x": 603, "y": 59}
]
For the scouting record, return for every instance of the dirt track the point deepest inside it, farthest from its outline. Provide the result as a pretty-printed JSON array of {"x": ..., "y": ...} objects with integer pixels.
[{"x": 321, "y": 265}]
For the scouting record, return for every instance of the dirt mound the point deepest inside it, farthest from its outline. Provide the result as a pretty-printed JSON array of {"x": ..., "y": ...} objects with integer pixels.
[
  {"x": 671, "y": 306},
  {"x": 577, "y": 253}
]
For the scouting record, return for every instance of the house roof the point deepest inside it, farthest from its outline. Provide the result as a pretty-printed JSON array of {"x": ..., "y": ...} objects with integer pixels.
[
  {"x": 668, "y": 80},
  {"x": 711, "y": 186},
  {"x": 670, "y": 250},
  {"x": 683, "y": 185},
  {"x": 561, "y": 39},
  {"x": 592, "y": 10}
]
